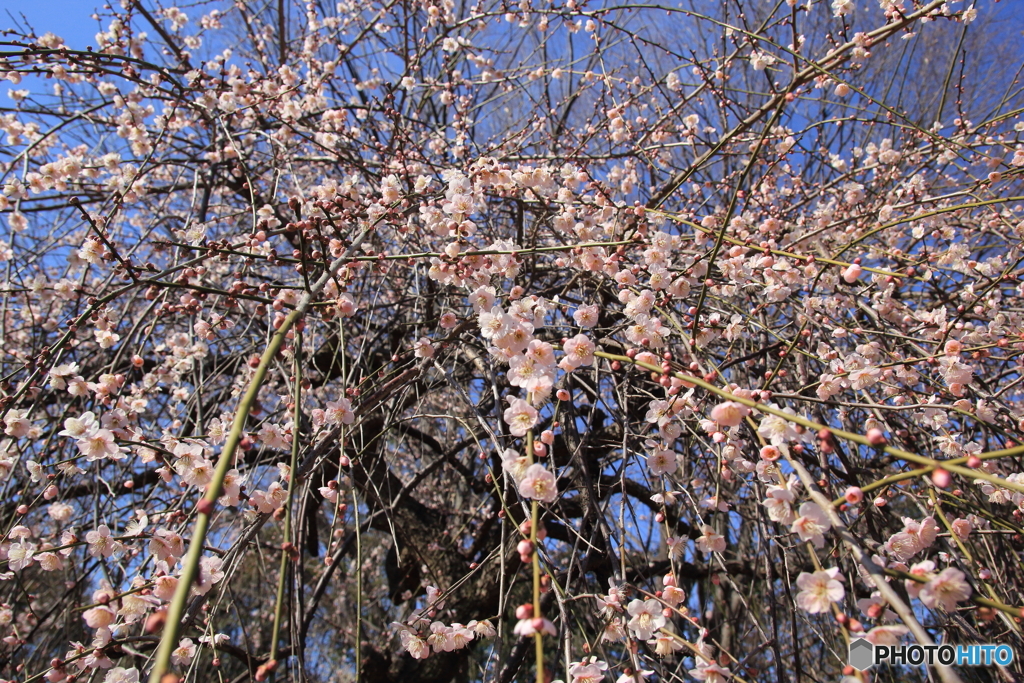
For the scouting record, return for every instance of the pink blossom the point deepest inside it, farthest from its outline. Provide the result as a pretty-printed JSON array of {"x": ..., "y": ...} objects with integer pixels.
[
  {"x": 579, "y": 350},
  {"x": 183, "y": 654},
  {"x": 710, "y": 672},
  {"x": 819, "y": 590},
  {"x": 528, "y": 627},
  {"x": 729, "y": 414},
  {"x": 886, "y": 635},
  {"x": 812, "y": 524},
  {"x": 852, "y": 273},
  {"x": 121, "y": 675},
  {"x": 423, "y": 348},
  {"x": 665, "y": 645},
  {"x": 711, "y": 541},
  {"x": 588, "y": 671},
  {"x": 586, "y": 316},
  {"x": 538, "y": 484},
  {"x": 779, "y": 504},
  {"x": 946, "y": 589},
  {"x": 662, "y": 462},
  {"x": 645, "y": 618},
  {"x": 19, "y": 556},
  {"x": 339, "y": 412},
  {"x": 101, "y": 543},
  {"x": 520, "y": 416}
]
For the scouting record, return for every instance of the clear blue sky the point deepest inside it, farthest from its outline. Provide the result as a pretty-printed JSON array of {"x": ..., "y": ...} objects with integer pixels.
[{"x": 69, "y": 19}]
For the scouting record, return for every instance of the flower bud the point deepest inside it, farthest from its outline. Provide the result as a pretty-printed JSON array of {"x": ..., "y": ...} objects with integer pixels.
[
  {"x": 852, "y": 273},
  {"x": 941, "y": 478}
]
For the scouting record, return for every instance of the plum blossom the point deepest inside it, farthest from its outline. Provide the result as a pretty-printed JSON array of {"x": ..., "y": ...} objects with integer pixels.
[
  {"x": 417, "y": 647},
  {"x": 538, "y": 484},
  {"x": 761, "y": 60},
  {"x": 339, "y": 412},
  {"x": 101, "y": 542},
  {"x": 819, "y": 590},
  {"x": 210, "y": 573},
  {"x": 591, "y": 671},
  {"x": 422, "y": 348},
  {"x": 711, "y": 541},
  {"x": 777, "y": 430},
  {"x": 269, "y": 500},
  {"x": 945, "y": 590},
  {"x": 729, "y": 414},
  {"x": 645, "y": 618},
  {"x": 183, "y": 654},
  {"x": 166, "y": 545},
  {"x": 812, "y": 524},
  {"x": 99, "y": 444},
  {"x": 779, "y": 503},
  {"x": 665, "y": 644},
  {"x": 710, "y": 672},
  {"x": 579, "y": 350},
  {"x": 17, "y": 423},
  {"x": 19, "y": 555},
  {"x": 121, "y": 675},
  {"x": 586, "y": 316},
  {"x": 528, "y": 627},
  {"x": 661, "y": 462},
  {"x": 886, "y": 635},
  {"x": 520, "y": 416}
]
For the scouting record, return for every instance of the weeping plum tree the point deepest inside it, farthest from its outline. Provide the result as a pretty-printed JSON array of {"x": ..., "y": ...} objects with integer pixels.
[{"x": 431, "y": 341}]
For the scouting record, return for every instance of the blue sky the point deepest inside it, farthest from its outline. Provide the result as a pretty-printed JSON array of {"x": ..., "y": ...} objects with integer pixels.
[{"x": 69, "y": 19}]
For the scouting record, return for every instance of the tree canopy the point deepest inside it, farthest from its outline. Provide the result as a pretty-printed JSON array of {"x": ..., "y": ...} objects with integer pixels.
[{"x": 433, "y": 341}]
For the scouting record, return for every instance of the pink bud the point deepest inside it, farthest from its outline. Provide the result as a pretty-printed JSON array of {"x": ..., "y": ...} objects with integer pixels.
[
  {"x": 854, "y": 495},
  {"x": 880, "y": 502},
  {"x": 876, "y": 438},
  {"x": 525, "y": 548},
  {"x": 563, "y": 395},
  {"x": 51, "y": 492},
  {"x": 941, "y": 478},
  {"x": 669, "y": 580},
  {"x": 524, "y": 612},
  {"x": 974, "y": 462},
  {"x": 547, "y": 436},
  {"x": 852, "y": 273}
]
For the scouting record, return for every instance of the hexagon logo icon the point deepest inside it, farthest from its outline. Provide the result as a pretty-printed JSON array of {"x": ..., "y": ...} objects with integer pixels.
[{"x": 862, "y": 654}]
